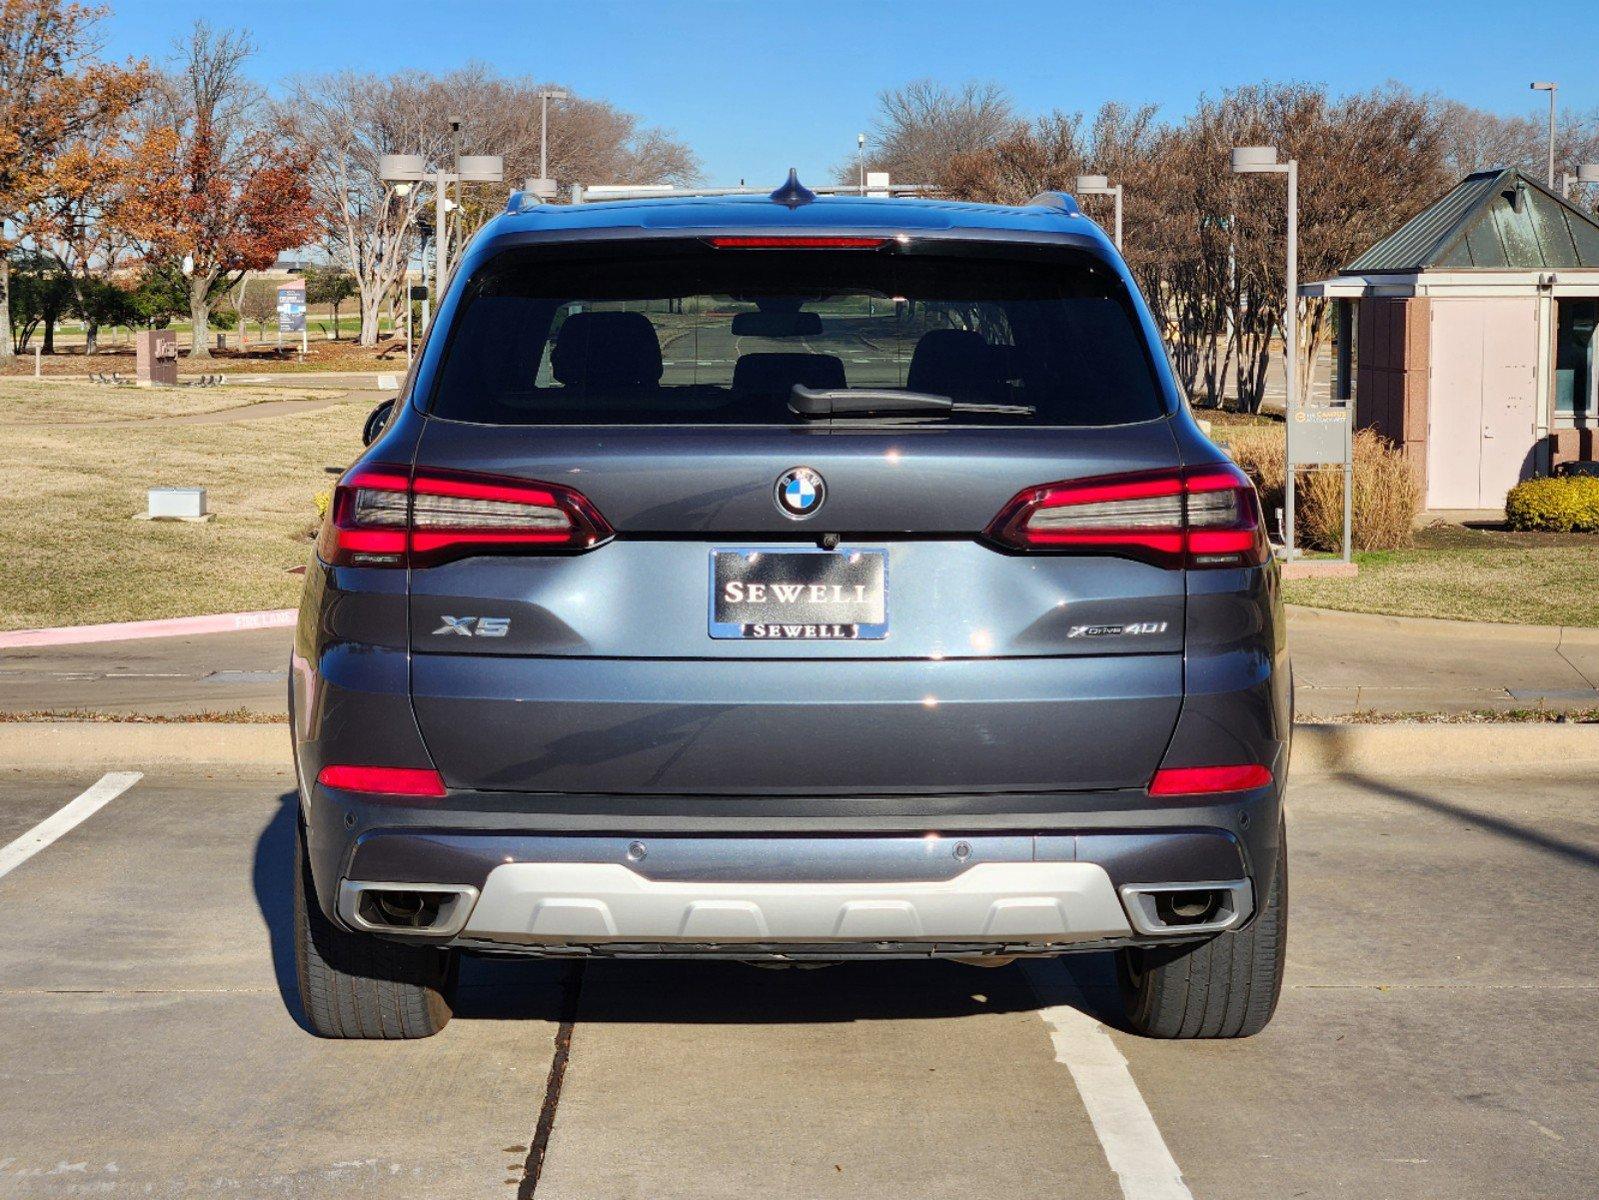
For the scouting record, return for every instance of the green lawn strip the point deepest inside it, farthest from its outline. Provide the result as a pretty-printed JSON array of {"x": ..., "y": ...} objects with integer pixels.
[{"x": 1470, "y": 575}]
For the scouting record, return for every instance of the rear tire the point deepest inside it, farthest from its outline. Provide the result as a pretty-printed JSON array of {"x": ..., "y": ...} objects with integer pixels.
[
  {"x": 355, "y": 985},
  {"x": 1224, "y": 988}
]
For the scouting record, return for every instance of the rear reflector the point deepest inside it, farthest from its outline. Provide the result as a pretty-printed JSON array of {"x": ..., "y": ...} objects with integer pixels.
[
  {"x": 382, "y": 517},
  {"x": 388, "y": 781},
  {"x": 1194, "y": 517},
  {"x": 1197, "y": 781},
  {"x": 798, "y": 243}
]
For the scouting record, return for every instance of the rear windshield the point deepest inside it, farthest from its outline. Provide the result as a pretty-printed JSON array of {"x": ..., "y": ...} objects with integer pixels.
[{"x": 691, "y": 334}]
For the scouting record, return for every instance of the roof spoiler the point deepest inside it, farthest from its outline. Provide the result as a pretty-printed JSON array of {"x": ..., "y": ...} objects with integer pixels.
[{"x": 1056, "y": 200}]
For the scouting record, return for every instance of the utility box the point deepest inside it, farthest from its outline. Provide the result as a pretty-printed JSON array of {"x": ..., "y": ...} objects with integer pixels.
[
  {"x": 177, "y": 504},
  {"x": 156, "y": 358}
]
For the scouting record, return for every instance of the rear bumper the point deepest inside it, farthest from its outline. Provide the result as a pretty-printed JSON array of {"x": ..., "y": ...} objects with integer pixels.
[
  {"x": 775, "y": 893},
  {"x": 533, "y": 903}
]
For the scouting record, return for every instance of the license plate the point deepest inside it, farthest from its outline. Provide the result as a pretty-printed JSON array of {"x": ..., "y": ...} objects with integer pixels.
[{"x": 782, "y": 594}]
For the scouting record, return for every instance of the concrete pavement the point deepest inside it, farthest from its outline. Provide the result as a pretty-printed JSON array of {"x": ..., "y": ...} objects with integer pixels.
[
  {"x": 1343, "y": 663},
  {"x": 1348, "y": 662},
  {"x": 1435, "y": 1037}
]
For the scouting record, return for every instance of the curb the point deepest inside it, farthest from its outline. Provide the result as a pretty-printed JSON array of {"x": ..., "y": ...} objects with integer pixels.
[
  {"x": 72, "y": 745},
  {"x": 1442, "y": 749},
  {"x": 127, "y": 631},
  {"x": 1551, "y": 635},
  {"x": 1318, "y": 749}
]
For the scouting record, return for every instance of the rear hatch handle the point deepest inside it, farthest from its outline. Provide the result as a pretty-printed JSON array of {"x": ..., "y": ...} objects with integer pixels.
[{"x": 872, "y": 402}]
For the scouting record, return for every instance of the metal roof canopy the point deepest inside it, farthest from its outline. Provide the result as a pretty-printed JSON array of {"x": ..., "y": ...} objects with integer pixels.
[{"x": 1497, "y": 220}]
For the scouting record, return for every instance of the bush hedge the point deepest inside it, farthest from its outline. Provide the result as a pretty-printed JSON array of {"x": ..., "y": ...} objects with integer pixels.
[
  {"x": 1387, "y": 495},
  {"x": 1565, "y": 504}
]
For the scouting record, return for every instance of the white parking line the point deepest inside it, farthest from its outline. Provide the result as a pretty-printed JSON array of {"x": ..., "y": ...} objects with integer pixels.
[
  {"x": 65, "y": 820},
  {"x": 1126, "y": 1129}
]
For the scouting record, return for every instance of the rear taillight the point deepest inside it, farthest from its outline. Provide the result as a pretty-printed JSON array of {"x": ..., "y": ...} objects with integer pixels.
[
  {"x": 382, "y": 517},
  {"x": 1199, "y": 781},
  {"x": 1184, "y": 517}
]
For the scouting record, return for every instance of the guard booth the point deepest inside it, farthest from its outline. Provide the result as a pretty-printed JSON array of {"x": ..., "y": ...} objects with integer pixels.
[{"x": 1474, "y": 347}]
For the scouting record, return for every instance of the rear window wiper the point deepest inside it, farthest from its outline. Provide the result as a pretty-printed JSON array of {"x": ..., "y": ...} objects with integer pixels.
[{"x": 889, "y": 402}]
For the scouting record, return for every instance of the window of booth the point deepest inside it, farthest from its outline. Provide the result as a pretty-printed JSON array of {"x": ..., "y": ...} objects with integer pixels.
[{"x": 1576, "y": 360}]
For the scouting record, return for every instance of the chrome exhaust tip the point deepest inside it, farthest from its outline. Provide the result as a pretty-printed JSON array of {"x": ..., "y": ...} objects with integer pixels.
[
  {"x": 415, "y": 909},
  {"x": 1183, "y": 909}
]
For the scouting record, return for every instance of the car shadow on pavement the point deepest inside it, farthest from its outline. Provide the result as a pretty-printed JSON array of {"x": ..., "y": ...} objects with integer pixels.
[
  {"x": 1586, "y": 856},
  {"x": 272, "y": 876},
  {"x": 732, "y": 993},
  {"x": 681, "y": 992}
]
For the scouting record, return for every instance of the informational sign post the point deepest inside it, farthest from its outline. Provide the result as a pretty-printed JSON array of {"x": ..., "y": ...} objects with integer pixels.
[
  {"x": 291, "y": 311},
  {"x": 1322, "y": 435}
]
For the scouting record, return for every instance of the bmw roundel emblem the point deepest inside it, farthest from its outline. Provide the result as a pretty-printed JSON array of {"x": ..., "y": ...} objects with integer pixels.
[{"x": 799, "y": 492}]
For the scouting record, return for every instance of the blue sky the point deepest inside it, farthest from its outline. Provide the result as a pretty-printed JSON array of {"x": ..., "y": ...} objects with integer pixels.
[{"x": 757, "y": 87}]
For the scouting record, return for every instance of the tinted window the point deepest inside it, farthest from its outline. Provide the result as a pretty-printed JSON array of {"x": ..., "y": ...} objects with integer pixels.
[{"x": 693, "y": 334}]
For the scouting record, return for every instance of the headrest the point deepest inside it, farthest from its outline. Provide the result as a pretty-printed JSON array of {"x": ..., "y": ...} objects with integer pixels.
[
  {"x": 776, "y": 374},
  {"x": 954, "y": 362},
  {"x": 606, "y": 349}
]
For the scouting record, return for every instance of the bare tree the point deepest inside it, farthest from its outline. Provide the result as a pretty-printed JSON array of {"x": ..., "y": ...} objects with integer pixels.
[
  {"x": 258, "y": 302},
  {"x": 349, "y": 120},
  {"x": 920, "y": 127},
  {"x": 1368, "y": 162},
  {"x": 591, "y": 141}
]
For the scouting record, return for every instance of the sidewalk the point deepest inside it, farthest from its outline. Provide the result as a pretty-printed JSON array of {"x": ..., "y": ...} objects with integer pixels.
[
  {"x": 1353, "y": 662},
  {"x": 1343, "y": 663}
]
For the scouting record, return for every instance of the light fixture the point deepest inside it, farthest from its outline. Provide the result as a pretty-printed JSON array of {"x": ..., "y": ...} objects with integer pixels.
[{"x": 1100, "y": 185}]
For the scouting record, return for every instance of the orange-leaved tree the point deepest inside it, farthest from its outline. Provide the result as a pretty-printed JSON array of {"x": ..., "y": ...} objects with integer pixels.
[
  {"x": 90, "y": 197},
  {"x": 53, "y": 90},
  {"x": 227, "y": 189}
]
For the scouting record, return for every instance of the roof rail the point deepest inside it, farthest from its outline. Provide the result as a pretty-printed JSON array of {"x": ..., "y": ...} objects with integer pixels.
[
  {"x": 1059, "y": 200},
  {"x": 581, "y": 196}
]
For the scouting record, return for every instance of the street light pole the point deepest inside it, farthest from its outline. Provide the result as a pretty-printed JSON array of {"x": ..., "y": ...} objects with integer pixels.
[
  {"x": 412, "y": 169},
  {"x": 860, "y": 159},
  {"x": 441, "y": 235},
  {"x": 1099, "y": 185},
  {"x": 1551, "y": 88},
  {"x": 545, "y": 96},
  {"x": 1262, "y": 160}
]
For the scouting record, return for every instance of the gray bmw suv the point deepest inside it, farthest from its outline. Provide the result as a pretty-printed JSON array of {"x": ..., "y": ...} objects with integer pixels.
[{"x": 792, "y": 579}]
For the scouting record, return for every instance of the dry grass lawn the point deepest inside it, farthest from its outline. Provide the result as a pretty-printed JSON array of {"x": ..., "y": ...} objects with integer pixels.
[{"x": 70, "y": 552}]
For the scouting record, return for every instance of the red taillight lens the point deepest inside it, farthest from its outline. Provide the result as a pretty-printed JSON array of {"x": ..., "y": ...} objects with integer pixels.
[
  {"x": 388, "y": 781},
  {"x": 382, "y": 518},
  {"x": 1195, "y": 517},
  {"x": 798, "y": 243},
  {"x": 1197, "y": 781}
]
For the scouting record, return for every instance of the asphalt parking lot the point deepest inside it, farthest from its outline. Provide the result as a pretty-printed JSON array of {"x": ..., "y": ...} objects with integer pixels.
[{"x": 1437, "y": 1035}]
